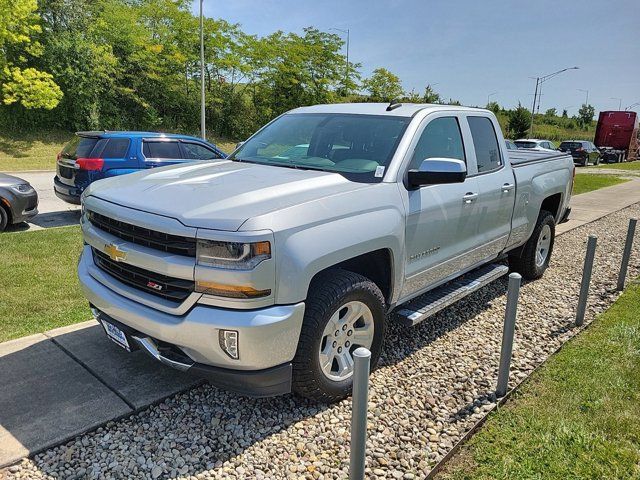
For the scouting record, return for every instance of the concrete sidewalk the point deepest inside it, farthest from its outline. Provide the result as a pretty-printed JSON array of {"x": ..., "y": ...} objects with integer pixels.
[
  {"x": 69, "y": 380},
  {"x": 591, "y": 206}
]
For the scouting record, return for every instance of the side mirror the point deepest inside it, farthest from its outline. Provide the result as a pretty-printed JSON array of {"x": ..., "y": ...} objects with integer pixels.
[
  {"x": 434, "y": 171},
  {"x": 239, "y": 144}
]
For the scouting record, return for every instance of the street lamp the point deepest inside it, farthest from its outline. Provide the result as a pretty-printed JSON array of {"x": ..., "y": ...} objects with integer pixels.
[
  {"x": 619, "y": 102},
  {"x": 586, "y": 102},
  {"x": 489, "y": 96},
  {"x": 539, "y": 82},
  {"x": 203, "y": 132},
  {"x": 346, "y": 71},
  {"x": 631, "y": 106}
]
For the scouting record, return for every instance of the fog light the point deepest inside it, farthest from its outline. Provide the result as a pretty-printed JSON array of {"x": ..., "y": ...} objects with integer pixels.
[{"x": 229, "y": 343}]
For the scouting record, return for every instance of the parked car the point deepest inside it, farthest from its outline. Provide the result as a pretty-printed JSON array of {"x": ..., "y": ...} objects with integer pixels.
[
  {"x": 510, "y": 145},
  {"x": 583, "y": 152},
  {"x": 18, "y": 201},
  {"x": 264, "y": 273},
  {"x": 536, "y": 144},
  {"x": 617, "y": 136},
  {"x": 91, "y": 156}
]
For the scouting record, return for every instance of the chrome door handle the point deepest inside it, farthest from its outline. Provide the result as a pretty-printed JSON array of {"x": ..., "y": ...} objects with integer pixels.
[
  {"x": 469, "y": 197},
  {"x": 507, "y": 187}
]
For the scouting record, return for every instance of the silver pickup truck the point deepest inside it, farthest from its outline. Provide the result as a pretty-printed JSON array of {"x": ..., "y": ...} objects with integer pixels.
[{"x": 264, "y": 271}]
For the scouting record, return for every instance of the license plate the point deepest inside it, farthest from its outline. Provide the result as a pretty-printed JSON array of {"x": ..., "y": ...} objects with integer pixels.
[{"x": 117, "y": 335}]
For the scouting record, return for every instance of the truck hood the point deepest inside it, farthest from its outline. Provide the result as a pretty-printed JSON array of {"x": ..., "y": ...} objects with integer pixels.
[{"x": 219, "y": 195}]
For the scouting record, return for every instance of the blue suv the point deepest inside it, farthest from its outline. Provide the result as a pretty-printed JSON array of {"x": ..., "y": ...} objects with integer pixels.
[{"x": 91, "y": 156}]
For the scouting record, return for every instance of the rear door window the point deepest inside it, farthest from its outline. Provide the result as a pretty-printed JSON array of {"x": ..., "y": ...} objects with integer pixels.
[
  {"x": 164, "y": 149},
  {"x": 485, "y": 143},
  {"x": 197, "y": 151}
]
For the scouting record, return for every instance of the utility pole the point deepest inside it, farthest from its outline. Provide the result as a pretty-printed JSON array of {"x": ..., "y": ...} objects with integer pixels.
[
  {"x": 539, "y": 82},
  {"x": 203, "y": 131},
  {"x": 619, "y": 102},
  {"x": 586, "y": 102},
  {"x": 347, "y": 66}
]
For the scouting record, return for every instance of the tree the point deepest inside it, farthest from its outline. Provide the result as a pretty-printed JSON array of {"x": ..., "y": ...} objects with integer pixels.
[
  {"x": 585, "y": 114},
  {"x": 383, "y": 86},
  {"x": 494, "y": 107},
  {"x": 564, "y": 113},
  {"x": 430, "y": 95},
  {"x": 551, "y": 112},
  {"x": 519, "y": 122},
  {"x": 21, "y": 83}
]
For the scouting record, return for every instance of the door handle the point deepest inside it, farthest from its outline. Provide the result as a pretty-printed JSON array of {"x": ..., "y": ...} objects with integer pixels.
[
  {"x": 507, "y": 187},
  {"x": 469, "y": 197}
]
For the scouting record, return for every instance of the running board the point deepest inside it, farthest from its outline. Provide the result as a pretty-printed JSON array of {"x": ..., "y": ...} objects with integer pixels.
[{"x": 432, "y": 302}]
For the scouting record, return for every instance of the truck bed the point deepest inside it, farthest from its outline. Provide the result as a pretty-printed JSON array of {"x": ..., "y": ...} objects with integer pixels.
[{"x": 522, "y": 156}]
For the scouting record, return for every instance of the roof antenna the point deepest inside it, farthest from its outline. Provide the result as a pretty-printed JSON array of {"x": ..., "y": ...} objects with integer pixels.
[{"x": 393, "y": 104}]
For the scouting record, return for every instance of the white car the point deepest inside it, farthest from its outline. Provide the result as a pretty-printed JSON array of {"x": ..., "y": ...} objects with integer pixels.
[{"x": 536, "y": 145}]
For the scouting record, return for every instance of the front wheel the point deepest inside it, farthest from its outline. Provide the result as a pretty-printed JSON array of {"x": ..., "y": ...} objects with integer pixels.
[
  {"x": 344, "y": 311},
  {"x": 536, "y": 253}
]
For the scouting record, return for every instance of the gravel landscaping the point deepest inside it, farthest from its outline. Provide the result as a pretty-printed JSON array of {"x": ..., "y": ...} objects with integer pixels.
[{"x": 434, "y": 382}]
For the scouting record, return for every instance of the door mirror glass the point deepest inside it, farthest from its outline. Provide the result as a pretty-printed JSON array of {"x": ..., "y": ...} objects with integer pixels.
[{"x": 434, "y": 171}]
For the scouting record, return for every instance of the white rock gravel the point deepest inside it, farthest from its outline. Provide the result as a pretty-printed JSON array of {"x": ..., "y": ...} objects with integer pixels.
[{"x": 434, "y": 383}]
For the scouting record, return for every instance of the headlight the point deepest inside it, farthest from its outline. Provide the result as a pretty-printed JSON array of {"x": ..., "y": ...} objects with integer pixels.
[
  {"x": 22, "y": 188},
  {"x": 232, "y": 255}
]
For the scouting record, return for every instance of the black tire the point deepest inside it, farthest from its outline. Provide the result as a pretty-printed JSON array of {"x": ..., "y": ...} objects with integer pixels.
[
  {"x": 525, "y": 263},
  {"x": 597, "y": 161},
  {"x": 4, "y": 219},
  {"x": 327, "y": 293}
]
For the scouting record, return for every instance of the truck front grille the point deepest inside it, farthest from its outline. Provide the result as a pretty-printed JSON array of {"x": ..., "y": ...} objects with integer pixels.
[
  {"x": 143, "y": 236},
  {"x": 174, "y": 289}
]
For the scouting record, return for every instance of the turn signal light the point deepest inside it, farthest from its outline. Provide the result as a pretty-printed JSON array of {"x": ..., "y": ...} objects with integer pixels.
[
  {"x": 90, "y": 163},
  {"x": 231, "y": 291}
]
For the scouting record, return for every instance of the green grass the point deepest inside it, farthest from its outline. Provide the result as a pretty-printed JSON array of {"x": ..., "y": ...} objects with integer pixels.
[
  {"x": 31, "y": 150},
  {"x": 587, "y": 182},
  {"x": 621, "y": 166},
  {"x": 578, "y": 417},
  {"x": 39, "y": 287},
  {"x": 38, "y": 150}
]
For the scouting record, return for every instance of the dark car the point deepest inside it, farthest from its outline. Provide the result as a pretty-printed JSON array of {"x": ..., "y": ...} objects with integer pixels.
[
  {"x": 583, "y": 152},
  {"x": 91, "y": 156},
  {"x": 18, "y": 201},
  {"x": 510, "y": 144}
]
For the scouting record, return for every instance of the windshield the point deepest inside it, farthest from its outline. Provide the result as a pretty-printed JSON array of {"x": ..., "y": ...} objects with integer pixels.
[
  {"x": 358, "y": 147},
  {"x": 522, "y": 144}
]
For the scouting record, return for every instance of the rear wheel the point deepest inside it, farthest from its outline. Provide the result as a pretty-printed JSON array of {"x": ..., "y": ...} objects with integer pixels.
[
  {"x": 536, "y": 253},
  {"x": 344, "y": 311},
  {"x": 4, "y": 218}
]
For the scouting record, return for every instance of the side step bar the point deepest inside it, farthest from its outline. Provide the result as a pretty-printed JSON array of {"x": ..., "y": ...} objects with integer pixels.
[{"x": 432, "y": 302}]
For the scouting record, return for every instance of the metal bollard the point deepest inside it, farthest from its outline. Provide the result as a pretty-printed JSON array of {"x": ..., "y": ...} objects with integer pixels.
[
  {"x": 627, "y": 253},
  {"x": 507, "y": 333},
  {"x": 586, "y": 279},
  {"x": 360, "y": 399}
]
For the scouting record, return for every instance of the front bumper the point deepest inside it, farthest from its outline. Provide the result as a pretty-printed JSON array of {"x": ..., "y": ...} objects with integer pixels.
[
  {"x": 23, "y": 206},
  {"x": 267, "y": 337}
]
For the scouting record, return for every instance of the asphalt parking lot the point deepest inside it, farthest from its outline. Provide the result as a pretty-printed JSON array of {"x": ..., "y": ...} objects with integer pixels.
[{"x": 53, "y": 212}]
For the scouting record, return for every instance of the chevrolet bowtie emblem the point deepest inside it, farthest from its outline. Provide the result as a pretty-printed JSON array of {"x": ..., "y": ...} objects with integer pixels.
[{"x": 114, "y": 252}]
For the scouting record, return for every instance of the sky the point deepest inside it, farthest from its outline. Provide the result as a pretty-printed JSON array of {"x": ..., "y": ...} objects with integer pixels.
[{"x": 469, "y": 49}]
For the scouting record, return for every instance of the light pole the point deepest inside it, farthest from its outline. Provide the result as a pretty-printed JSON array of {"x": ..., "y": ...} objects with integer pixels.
[
  {"x": 586, "y": 102},
  {"x": 619, "y": 102},
  {"x": 203, "y": 132},
  {"x": 631, "y": 106},
  {"x": 489, "y": 96},
  {"x": 539, "y": 82},
  {"x": 346, "y": 70}
]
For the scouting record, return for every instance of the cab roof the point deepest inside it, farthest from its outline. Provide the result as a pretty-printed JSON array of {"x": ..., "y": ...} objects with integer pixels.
[{"x": 403, "y": 110}]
